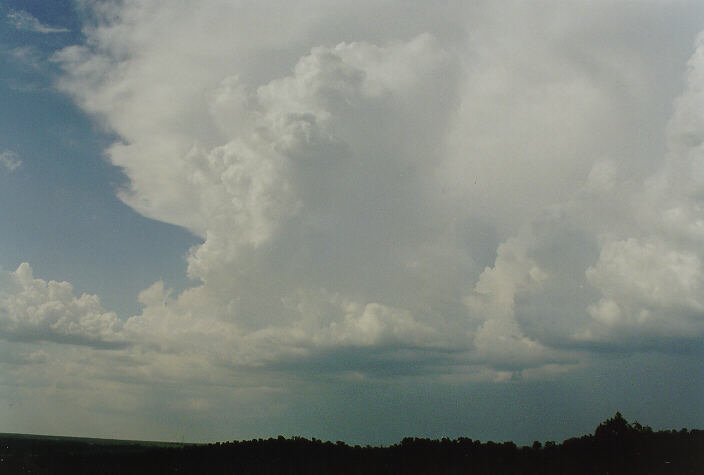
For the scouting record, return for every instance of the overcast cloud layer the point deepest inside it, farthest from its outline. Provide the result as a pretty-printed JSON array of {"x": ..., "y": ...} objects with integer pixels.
[{"x": 386, "y": 195}]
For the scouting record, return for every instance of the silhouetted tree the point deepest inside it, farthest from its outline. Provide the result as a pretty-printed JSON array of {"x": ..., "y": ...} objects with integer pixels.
[
  {"x": 613, "y": 428},
  {"x": 615, "y": 447}
]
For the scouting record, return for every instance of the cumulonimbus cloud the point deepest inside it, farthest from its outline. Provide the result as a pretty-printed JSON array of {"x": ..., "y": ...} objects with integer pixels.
[{"x": 431, "y": 189}]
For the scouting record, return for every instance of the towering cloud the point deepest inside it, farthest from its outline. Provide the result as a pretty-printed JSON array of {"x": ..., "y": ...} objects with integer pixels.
[{"x": 361, "y": 175}]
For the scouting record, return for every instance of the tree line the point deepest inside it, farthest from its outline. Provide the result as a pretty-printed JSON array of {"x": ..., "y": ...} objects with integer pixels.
[{"x": 615, "y": 447}]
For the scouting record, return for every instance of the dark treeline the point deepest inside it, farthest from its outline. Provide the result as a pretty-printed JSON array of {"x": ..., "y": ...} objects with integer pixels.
[{"x": 616, "y": 447}]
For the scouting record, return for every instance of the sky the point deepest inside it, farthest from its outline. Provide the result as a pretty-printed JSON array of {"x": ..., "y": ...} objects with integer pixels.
[{"x": 354, "y": 221}]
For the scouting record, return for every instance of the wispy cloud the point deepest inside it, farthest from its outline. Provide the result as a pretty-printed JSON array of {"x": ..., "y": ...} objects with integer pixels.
[
  {"x": 23, "y": 20},
  {"x": 27, "y": 56},
  {"x": 10, "y": 160}
]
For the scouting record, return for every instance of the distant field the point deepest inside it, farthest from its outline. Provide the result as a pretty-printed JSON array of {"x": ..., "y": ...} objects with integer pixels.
[{"x": 91, "y": 440}]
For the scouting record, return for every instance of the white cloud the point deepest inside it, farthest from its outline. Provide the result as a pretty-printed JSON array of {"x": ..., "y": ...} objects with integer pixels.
[
  {"x": 648, "y": 272},
  {"x": 350, "y": 181},
  {"x": 10, "y": 160},
  {"x": 376, "y": 324},
  {"x": 499, "y": 340},
  {"x": 23, "y": 20},
  {"x": 35, "y": 310},
  {"x": 293, "y": 172}
]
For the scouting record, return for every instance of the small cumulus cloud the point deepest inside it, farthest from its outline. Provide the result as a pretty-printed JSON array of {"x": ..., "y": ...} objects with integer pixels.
[
  {"x": 23, "y": 20},
  {"x": 36, "y": 310},
  {"x": 10, "y": 160}
]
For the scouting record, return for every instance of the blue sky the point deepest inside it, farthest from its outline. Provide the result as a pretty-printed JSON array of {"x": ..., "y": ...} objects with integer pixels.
[
  {"x": 362, "y": 222},
  {"x": 60, "y": 208}
]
